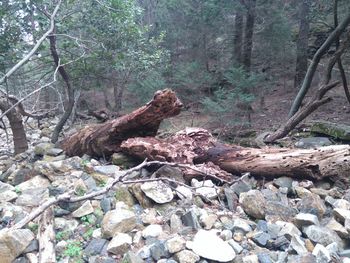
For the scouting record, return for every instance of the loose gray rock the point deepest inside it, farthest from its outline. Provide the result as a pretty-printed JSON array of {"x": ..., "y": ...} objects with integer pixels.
[
  {"x": 205, "y": 188},
  {"x": 65, "y": 224},
  {"x": 288, "y": 229},
  {"x": 186, "y": 256},
  {"x": 184, "y": 192},
  {"x": 175, "y": 223},
  {"x": 342, "y": 204},
  {"x": 304, "y": 219},
  {"x": 313, "y": 142},
  {"x": 236, "y": 246},
  {"x": 216, "y": 249},
  {"x": 261, "y": 238},
  {"x": 279, "y": 211},
  {"x": 42, "y": 148},
  {"x": 131, "y": 257},
  {"x": 175, "y": 244},
  {"x": 298, "y": 245},
  {"x": 253, "y": 203},
  {"x": 118, "y": 220},
  {"x": 251, "y": 259},
  {"x": 13, "y": 243},
  {"x": 283, "y": 181},
  {"x": 152, "y": 231},
  {"x": 322, "y": 235},
  {"x": 158, "y": 250},
  {"x": 84, "y": 210},
  {"x": 341, "y": 214},
  {"x": 242, "y": 225},
  {"x": 95, "y": 247},
  {"x": 208, "y": 221},
  {"x": 119, "y": 244},
  {"x": 190, "y": 219},
  {"x": 337, "y": 228},
  {"x": 322, "y": 254},
  {"x": 158, "y": 191},
  {"x": 312, "y": 204},
  {"x": 108, "y": 170}
]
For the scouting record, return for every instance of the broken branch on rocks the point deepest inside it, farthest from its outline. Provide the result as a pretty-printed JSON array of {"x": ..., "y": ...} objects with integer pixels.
[{"x": 70, "y": 198}]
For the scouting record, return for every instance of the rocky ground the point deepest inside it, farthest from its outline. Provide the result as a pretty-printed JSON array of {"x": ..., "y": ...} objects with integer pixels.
[{"x": 251, "y": 220}]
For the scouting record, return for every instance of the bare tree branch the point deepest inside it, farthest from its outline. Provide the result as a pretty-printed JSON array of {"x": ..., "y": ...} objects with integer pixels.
[{"x": 35, "y": 48}]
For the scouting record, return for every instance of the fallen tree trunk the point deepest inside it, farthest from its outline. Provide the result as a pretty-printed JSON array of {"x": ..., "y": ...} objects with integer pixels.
[
  {"x": 105, "y": 139},
  {"x": 331, "y": 162}
]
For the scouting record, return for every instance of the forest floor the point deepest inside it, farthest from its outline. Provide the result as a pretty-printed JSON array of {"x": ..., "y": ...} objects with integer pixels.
[{"x": 268, "y": 116}]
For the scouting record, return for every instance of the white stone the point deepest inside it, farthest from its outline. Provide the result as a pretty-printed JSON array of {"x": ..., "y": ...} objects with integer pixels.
[
  {"x": 321, "y": 253},
  {"x": 184, "y": 192},
  {"x": 158, "y": 191},
  {"x": 152, "y": 231},
  {"x": 298, "y": 245},
  {"x": 117, "y": 220},
  {"x": 97, "y": 233},
  {"x": 85, "y": 209},
  {"x": 208, "y": 245},
  {"x": 304, "y": 219},
  {"x": 119, "y": 244},
  {"x": 13, "y": 242},
  {"x": 251, "y": 259},
  {"x": 205, "y": 188},
  {"x": 186, "y": 256},
  {"x": 175, "y": 244},
  {"x": 342, "y": 204},
  {"x": 35, "y": 182}
]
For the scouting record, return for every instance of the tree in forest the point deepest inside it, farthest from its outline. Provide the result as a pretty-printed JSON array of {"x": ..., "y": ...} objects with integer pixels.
[
  {"x": 302, "y": 42},
  {"x": 332, "y": 38},
  {"x": 249, "y": 33}
]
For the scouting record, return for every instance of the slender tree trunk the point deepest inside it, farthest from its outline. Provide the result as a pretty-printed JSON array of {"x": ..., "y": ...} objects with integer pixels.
[
  {"x": 69, "y": 89},
  {"x": 340, "y": 64},
  {"x": 238, "y": 37},
  {"x": 118, "y": 98},
  {"x": 316, "y": 59},
  {"x": 16, "y": 124},
  {"x": 248, "y": 34},
  {"x": 302, "y": 43}
]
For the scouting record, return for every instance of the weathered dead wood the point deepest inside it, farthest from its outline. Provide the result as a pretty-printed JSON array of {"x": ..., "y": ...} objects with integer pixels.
[
  {"x": 331, "y": 162},
  {"x": 105, "y": 139},
  {"x": 46, "y": 237}
]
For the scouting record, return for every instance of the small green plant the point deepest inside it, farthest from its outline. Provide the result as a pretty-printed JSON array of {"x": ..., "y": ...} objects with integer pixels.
[
  {"x": 102, "y": 183},
  {"x": 88, "y": 234},
  {"x": 74, "y": 250},
  {"x": 88, "y": 219},
  {"x": 61, "y": 235},
  {"x": 80, "y": 191},
  {"x": 17, "y": 190},
  {"x": 33, "y": 227},
  {"x": 84, "y": 163}
]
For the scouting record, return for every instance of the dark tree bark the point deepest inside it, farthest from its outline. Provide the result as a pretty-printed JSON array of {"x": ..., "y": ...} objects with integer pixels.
[
  {"x": 196, "y": 147},
  {"x": 118, "y": 91},
  {"x": 238, "y": 37},
  {"x": 302, "y": 42},
  {"x": 105, "y": 139},
  {"x": 315, "y": 61},
  {"x": 16, "y": 124},
  {"x": 248, "y": 34},
  {"x": 340, "y": 64},
  {"x": 69, "y": 89}
]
